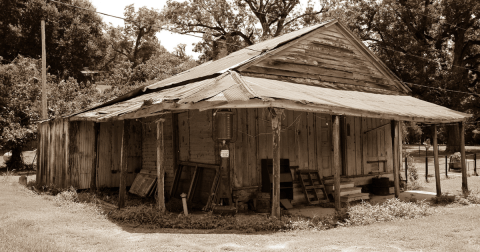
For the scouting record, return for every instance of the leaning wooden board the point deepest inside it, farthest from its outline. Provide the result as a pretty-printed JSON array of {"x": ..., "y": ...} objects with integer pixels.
[{"x": 143, "y": 183}]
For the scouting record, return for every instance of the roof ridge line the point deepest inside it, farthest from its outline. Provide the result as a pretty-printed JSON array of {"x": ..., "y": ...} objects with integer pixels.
[{"x": 238, "y": 79}]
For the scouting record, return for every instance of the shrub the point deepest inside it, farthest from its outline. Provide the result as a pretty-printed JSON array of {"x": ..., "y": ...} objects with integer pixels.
[
  {"x": 473, "y": 197},
  {"x": 66, "y": 197},
  {"x": 149, "y": 215},
  {"x": 391, "y": 209},
  {"x": 444, "y": 199},
  {"x": 413, "y": 179}
]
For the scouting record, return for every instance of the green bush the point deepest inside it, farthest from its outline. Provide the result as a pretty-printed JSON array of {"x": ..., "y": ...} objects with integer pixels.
[{"x": 366, "y": 213}]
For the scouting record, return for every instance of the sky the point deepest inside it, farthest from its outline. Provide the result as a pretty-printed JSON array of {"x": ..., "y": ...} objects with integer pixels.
[{"x": 167, "y": 39}]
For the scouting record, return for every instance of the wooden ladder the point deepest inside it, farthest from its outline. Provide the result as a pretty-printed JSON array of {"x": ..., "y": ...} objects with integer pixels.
[{"x": 312, "y": 183}]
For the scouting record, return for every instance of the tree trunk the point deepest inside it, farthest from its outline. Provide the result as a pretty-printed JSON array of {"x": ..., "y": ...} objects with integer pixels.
[
  {"x": 453, "y": 138},
  {"x": 16, "y": 160}
]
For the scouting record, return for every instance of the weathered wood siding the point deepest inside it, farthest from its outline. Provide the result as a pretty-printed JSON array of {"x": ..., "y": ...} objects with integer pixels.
[
  {"x": 325, "y": 57},
  {"x": 109, "y": 152},
  {"x": 81, "y": 151},
  {"x": 52, "y": 160},
  {"x": 66, "y": 154},
  {"x": 195, "y": 137},
  {"x": 368, "y": 146},
  {"x": 149, "y": 147}
]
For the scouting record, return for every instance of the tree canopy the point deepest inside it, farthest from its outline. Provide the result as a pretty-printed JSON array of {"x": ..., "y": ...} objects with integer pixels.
[
  {"x": 136, "y": 41},
  {"x": 434, "y": 43},
  {"x": 242, "y": 22},
  {"x": 74, "y": 37}
]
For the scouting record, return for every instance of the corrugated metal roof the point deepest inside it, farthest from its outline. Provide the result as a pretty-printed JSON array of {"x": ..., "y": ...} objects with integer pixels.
[
  {"x": 231, "y": 87},
  {"x": 234, "y": 59},
  {"x": 395, "y": 105}
]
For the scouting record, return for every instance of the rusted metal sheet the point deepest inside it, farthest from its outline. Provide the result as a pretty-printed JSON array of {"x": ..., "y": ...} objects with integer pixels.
[
  {"x": 234, "y": 59},
  {"x": 237, "y": 89}
]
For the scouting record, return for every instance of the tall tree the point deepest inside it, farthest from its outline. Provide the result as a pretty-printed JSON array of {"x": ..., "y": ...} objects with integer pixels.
[
  {"x": 136, "y": 41},
  {"x": 20, "y": 92},
  {"x": 242, "y": 22},
  {"x": 74, "y": 37},
  {"x": 428, "y": 42}
]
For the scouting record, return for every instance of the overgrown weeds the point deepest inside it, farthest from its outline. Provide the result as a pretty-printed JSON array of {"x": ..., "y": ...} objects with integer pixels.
[
  {"x": 444, "y": 199},
  {"x": 357, "y": 215},
  {"x": 392, "y": 209},
  {"x": 149, "y": 215},
  {"x": 414, "y": 183}
]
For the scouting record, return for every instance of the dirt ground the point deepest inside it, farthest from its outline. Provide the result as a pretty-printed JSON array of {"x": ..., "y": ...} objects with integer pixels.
[{"x": 30, "y": 222}]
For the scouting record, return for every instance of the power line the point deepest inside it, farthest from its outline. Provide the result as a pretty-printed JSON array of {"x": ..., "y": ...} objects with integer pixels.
[
  {"x": 161, "y": 28},
  {"x": 447, "y": 90},
  {"x": 420, "y": 57}
]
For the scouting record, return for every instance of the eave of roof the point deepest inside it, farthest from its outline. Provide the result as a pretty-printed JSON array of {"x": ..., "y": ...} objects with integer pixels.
[{"x": 231, "y": 90}]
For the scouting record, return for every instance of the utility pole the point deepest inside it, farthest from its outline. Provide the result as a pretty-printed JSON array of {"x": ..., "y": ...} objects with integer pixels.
[{"x": 44, "y": 74}]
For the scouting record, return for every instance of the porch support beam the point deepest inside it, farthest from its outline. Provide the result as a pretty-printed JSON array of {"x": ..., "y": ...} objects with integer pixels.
[
  {"x": 462, "y": 152},
  {"x": 396, "y": 156},
  {"x": 336, "y": 160},
  {"x": 276, "y": 128},
  {"x": 123, "y": 165},
  {"x": 436, "y": 161},
  {"x": 160, "y": 166}
]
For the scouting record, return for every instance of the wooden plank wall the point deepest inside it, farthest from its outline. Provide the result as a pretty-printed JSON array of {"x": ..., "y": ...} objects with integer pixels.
[
  {"x": 368, "y": 141},
  {"x": 324, "y": 56},
  {"x": 195, "y": 137},
  {"x": 109, "y": 147},
  {"x": 51, "y": 162},
  {"x": 301, "y": 134},
  {"x": 81, "y": 153}
]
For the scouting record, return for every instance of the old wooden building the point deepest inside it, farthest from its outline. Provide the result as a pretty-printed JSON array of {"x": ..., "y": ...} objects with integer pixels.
[{"x": 315, "y": 100}]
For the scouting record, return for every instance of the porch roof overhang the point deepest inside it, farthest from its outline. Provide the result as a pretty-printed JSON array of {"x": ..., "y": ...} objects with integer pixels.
[{"x": 232, "y": 90}]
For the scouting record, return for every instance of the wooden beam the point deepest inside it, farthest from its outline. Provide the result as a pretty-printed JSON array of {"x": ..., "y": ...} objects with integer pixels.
[
  {"x": 436, "y": 161},
  {"x": 336, "y": 159},
  {"x": 68, "y": 174},
  {"x": 160, "y": 166},
  {"x": 93, "y": 182},
  {"x": 396, "y": 157},
  {"x": 44, "y": 74},
  {"x": 276, "y": 128},
  {"x": 122, "y": 190},
  {"x": 462, "y": 152}
]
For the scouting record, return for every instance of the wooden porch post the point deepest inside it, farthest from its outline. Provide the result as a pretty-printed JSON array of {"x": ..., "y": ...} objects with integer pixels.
[
  {"x": 462, "y": 152},
  {"x": 396, "y": 156},
  {"x": 435, "y": 160},
  {"x": 160, "y": 166},
  {"x": 336, "y": 160},
  {"x": 276, "y": 127},
  {"x": 123, "y": 165}
]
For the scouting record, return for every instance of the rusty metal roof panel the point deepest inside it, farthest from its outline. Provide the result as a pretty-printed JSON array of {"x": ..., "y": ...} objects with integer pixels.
[
  {"x": 234, "y": 59},
  {"x": 369, "y": 102},
  {"x": 232, "y": 87}
]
